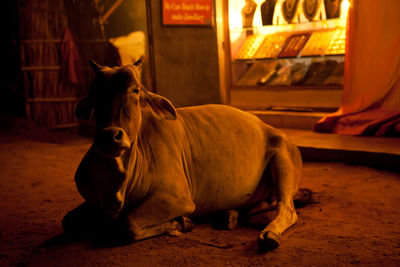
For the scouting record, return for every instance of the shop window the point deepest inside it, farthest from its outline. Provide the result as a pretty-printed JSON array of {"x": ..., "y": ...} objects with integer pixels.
[{"x": 286, "y": 53}]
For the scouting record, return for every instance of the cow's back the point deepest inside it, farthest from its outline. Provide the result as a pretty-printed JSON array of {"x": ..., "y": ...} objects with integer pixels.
[{"x": 226, "y": 155}]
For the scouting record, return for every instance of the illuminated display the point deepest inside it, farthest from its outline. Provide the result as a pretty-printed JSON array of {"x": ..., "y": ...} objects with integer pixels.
[
  {"x": 250, "y": 46},
  {"x": 337, "y": 45},
  {"x": 272, "y": 51},
  {"x": 294, "y": 44},
  {"x": 235, "y": 16},
  {"x": 271, "y": 46},
  {"x": 323, "y": 37}
]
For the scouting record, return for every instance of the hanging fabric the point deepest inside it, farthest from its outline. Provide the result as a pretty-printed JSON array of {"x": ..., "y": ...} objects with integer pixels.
[
  {"x": 71, "y": 66},
  {"x": 371, "y": 93}
]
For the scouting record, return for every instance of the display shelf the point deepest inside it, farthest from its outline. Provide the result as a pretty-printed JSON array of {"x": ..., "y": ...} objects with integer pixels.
[
  {"x": 286, "y": 88},
  {"x": 296, "y": 63},
  {"x": 249, "y": 60},
  {"x": 299, "y": 71},
  {"x": 289, "y": 55},
  {"x": 313, "y": 39},
  {"x": 308, "y": 97}
]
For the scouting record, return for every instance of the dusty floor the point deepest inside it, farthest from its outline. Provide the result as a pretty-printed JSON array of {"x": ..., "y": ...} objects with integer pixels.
[{"x": 357, "y": 221}]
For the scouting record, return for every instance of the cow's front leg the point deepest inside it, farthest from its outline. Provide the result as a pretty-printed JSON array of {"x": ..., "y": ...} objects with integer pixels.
[
  {"x": 160, "y": 214},
  {"x": 285, "y": 167},
  {"x": 174, "y": 227},
  {"x": 84, "y": 221}
]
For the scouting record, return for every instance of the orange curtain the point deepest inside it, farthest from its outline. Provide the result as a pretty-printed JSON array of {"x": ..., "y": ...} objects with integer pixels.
[{"x": 371, "y": 93}]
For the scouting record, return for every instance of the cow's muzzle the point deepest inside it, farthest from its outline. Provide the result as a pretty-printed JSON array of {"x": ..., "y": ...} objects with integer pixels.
[{"x": 112, "y": 141}]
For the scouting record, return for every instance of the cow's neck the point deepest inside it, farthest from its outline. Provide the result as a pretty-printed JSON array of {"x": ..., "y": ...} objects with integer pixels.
[
  {"x": 136, "y": 165},
  {"x": 138, "y": 160}
]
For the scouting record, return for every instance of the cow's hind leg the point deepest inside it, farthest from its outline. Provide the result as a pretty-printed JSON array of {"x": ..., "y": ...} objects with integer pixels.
[{"x": 285, "y": 168}]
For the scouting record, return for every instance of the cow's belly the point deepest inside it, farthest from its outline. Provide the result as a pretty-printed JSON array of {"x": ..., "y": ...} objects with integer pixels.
[
  {"x": 227, "y": 183},
  {"x": 228, "y": 158},
  {"x": 213, "y": 196}
]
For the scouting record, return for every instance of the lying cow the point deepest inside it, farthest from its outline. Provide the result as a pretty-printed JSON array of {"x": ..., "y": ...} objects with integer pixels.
[{"x": 154, "y": 166}]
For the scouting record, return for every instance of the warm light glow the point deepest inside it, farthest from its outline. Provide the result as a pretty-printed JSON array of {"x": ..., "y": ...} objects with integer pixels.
[
  {"x": 344, "y": 9},
  {"x": 235, "y": 21},
  {"x": 235, "y": 16}
]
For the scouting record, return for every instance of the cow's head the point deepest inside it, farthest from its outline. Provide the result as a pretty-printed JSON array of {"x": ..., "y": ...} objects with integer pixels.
[{"x": 116, "y": 96}]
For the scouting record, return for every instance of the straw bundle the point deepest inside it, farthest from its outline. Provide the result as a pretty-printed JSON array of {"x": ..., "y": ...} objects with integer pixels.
[
  {"x": 50, "y": 99},
  {"x": 40, "y": 53},
  {"x": 61, "y": 113},
  {"x": 42, "y": 4},
  {"x": 50, "y": 102},
  {"x": 41, "y": 19},
  {"x": 47, "y": 84}
]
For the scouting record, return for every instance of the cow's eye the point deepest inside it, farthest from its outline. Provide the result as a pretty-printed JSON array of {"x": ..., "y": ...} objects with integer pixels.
[{"x": 136, "y": 91}]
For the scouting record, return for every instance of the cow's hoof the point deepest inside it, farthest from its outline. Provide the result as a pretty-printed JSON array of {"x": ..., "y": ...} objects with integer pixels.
[
  {"x": 185, "y": 223},
  {"x": 174, "y": 232},
  {"x": 233, "y": 218},
  {"x": 226, "y": 220},
  {"x": 268, "y": 241}
]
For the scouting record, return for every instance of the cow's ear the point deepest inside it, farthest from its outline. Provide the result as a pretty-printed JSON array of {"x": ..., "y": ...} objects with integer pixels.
[
  {"x": 161, "y": 107},
  {"x": 84, "y": 109}
]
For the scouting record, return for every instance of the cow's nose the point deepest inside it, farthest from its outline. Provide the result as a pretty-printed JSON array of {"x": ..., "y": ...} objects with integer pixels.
[
  {"x": 112, "y": 140},
  {"x": 118, "y": 135}
]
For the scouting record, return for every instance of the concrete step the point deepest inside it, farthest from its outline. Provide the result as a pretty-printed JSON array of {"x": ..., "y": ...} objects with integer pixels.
[
  {"x": 377, "y": 152},
  {"x": 289, "y": 119}
]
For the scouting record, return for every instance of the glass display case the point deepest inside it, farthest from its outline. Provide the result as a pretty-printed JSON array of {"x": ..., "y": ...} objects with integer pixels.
[{"x": 286, "y": 54}]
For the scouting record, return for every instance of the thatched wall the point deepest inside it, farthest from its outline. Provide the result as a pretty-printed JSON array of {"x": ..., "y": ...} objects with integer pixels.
[
  {"x": 41, "y": 27},
  {"x": 50, "y": 99}
]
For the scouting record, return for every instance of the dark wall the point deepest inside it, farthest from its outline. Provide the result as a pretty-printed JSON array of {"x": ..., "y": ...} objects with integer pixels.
[
  {"x": 185, "y": 58},
  {"x": 11, "y": 96},
  {"x": 128, "y": 17},
  {"x": 186, "y": 61}
]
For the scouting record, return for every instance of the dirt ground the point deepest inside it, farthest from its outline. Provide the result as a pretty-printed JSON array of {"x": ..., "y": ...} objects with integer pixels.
[{"x": 357, "y": 221}]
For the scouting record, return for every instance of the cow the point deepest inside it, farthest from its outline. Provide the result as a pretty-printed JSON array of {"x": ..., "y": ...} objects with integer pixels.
[{"x": 155, "y": 167}]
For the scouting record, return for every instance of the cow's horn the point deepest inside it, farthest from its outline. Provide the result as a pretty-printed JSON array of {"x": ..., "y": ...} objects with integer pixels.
[{"x": 96, "y": 67}]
